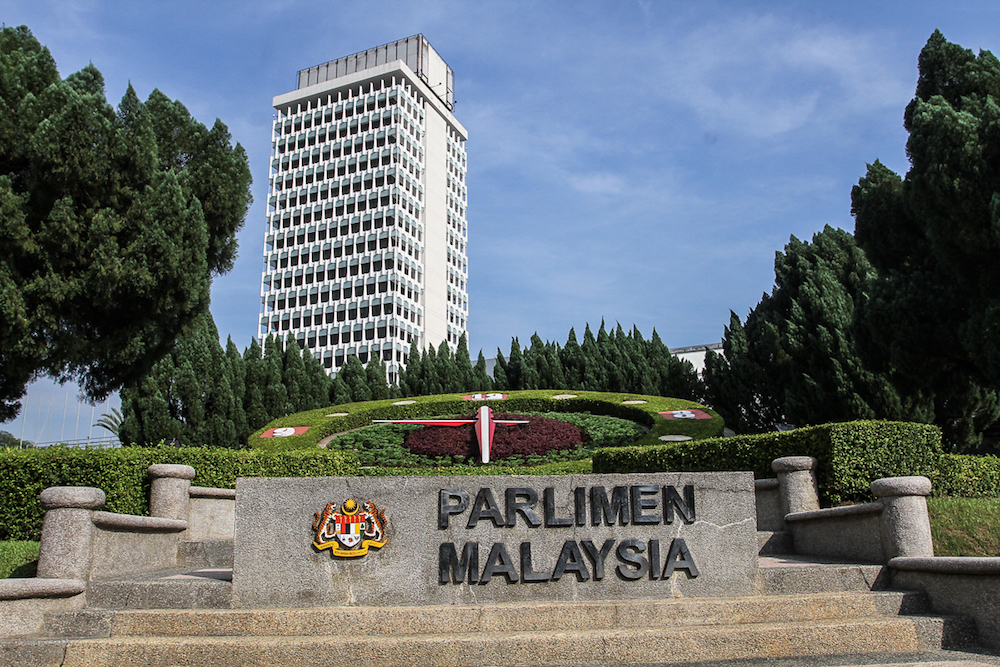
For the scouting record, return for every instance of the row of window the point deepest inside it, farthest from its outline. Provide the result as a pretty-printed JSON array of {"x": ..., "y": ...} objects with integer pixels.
[
  {"x": 308, "y": 318},
  {"x": 366, "y": 308},
  {"x": 353, "y": 225},
  {"x": 357, "y": 335},
  {"x": 360, "y": 144},
  {"x": 365, "y": 162},
  {"x": 364, "y": 264},
  {"x": 302, "y": 236},
  {"x": 336, "y": 111},
  {"x": 373, "y": 122}
]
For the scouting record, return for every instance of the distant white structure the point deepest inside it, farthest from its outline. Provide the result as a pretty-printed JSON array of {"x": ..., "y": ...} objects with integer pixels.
[
  {"x": 365, "y": 245},
  {"x": 696, "y": 354}
]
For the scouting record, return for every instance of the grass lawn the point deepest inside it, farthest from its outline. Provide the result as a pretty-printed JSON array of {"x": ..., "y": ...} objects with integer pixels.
[
  {"x": 965, "y": 526},
  {"x": 18, "y": 559}
]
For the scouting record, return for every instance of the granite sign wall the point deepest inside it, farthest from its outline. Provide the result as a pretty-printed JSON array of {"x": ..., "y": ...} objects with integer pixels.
[{"x": 439, "y": 540}]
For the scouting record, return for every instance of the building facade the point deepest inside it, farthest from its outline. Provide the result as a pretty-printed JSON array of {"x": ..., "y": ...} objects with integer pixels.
[{"x": 365, "y": 245}]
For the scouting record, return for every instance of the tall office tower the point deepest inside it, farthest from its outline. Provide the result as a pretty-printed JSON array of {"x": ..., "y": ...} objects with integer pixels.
[{"x": 365, "y": 248}]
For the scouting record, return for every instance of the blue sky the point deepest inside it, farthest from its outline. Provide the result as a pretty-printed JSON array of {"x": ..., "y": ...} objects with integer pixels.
[{"x": 636, "y": 161}]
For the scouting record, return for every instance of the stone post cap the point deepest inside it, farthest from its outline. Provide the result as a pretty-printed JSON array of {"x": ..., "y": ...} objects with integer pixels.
[
  {"x": 78, "y": 497},
  {"x": 171, "y": 470},
  {"x": 914, "y": 485},
  {"x": 793, "y": 463}
]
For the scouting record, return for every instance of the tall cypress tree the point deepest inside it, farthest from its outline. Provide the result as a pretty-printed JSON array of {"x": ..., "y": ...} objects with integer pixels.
[
  {"x": 463, "y": 364},
  {"x": 515, "y": 366},
  {"x": 375, "y": 377},
  {"x": 237, "y": 374},
  {"x": 187, "y": 396},
  {"x": 481, "y": 381},
  {"x": 353, "y": 375},
  {"x": 293, "y": 375},
  {"x": 254, "y": 387},
  {"x": 274, "y": 394},
  {"x": 500, "y": 381}
]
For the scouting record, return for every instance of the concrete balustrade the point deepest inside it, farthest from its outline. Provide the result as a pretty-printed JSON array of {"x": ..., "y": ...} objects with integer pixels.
[
  {"x": 895, "y": 525},
  {"x": 68, "y": 532},
  {"x": 796, "y": 483},
  {"x": 81, "y": 542},
  {"x": 168, "y": 490},
  {"x": 904, "y": 527}
]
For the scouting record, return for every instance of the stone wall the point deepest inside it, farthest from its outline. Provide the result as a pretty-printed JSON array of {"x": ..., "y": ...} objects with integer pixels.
[{"x": 452, "y": 540}]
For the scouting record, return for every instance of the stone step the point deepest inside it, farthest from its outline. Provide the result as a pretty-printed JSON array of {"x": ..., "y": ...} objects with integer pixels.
[
  {"x": 482, "y": 618},
  {"x": 206, "y": 588},
  {"x": 205, "y": 553},
  {"x": 774, "y": 542},
  {"x": 781, "y": 575},
  {"x": 360, "y": 645}
]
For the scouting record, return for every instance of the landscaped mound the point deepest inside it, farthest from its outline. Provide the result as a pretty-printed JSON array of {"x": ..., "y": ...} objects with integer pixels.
[
  {"x": 539, "y": 436},
  {"x": 661, "y": 417}
]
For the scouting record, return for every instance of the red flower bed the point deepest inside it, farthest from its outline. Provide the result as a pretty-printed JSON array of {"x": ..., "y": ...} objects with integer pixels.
[{"x": 538, "y": 436}]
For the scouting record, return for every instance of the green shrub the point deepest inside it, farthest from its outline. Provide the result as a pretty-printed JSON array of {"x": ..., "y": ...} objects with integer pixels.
[
  {"x": 323, "y": 424},
  {"x": 851, "y": 455},
  {"x": 967, "y": 476},
  {"x": 122, "y": 475}
]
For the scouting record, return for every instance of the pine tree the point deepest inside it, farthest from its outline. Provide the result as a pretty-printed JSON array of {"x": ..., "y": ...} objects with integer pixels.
[
  {"x": 932, "y": 313},
  {"x": 340, "y": 393},
  {"x": 237, "y": 374},
  {"x": 515, "y": 369},
  {"x": 500, "y": 381},
  {"x": 481, "y": 381},
  {"x": 574, "y": 362},
  {"x": 187, "y": 396},
  {"x": 594, "y": 374},
  {"x": 274, "y": 393},
  {"x": 463, "y": 364},
  {"x": 375, "y": 378},
  {"x": 429, "y": 365},
  {"x": 293, "y": 375},
  {"x": 353, "y": 375},
  {"x": 317, "y": 382},
  {"x": 795, "y": 358},
  {"x": 254, "y": 387},
  {"x": 113, "y": 223},
  {"x": 411, "y": 382}
]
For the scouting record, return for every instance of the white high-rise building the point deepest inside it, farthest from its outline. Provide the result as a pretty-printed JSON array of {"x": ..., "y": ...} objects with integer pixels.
[{"x": 365, "y": 248}]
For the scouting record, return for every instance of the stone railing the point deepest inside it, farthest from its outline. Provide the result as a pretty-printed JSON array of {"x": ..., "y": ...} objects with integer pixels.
[
  {"x": 896, "y": 524},
  {"x": 894, "y": 530},
  {"x": 81, "y": 542}
]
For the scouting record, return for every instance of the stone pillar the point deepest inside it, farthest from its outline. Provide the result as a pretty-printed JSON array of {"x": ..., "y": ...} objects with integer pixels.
[
  {"x": 68, "y": 532},
  {"x": 169, "y": 489},
  {"x": 796, "y": 483},
  {"x": 903, "y": 525}
]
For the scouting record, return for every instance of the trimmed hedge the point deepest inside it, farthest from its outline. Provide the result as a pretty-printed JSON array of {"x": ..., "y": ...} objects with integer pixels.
[
  {"x": 967, "y": 476},
  {"x": 851, "y": 455},
  {"x": 122, "y": 475},
  {"x": 598, "y": 403}
]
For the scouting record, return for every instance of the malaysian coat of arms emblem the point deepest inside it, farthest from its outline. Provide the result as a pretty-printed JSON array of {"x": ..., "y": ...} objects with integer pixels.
[{"x": 350, "y": 530}]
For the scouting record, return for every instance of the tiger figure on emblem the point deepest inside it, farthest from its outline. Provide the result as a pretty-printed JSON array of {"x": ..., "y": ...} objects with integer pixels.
[{"x": 350, "y": 530}]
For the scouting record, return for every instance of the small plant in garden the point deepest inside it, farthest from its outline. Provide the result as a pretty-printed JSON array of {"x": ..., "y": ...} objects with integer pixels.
[
  {"x": 539, "y": 436},
  {"x": 390, "y": 445}
]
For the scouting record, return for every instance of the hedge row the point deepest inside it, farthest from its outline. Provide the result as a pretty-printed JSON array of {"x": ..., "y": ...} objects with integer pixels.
[
  {"x": 122, "y": 475},
  {"x": 599, "y": 403},
  {"x": 967, "y": 476},
  {"x": 850, "y": 455}
]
